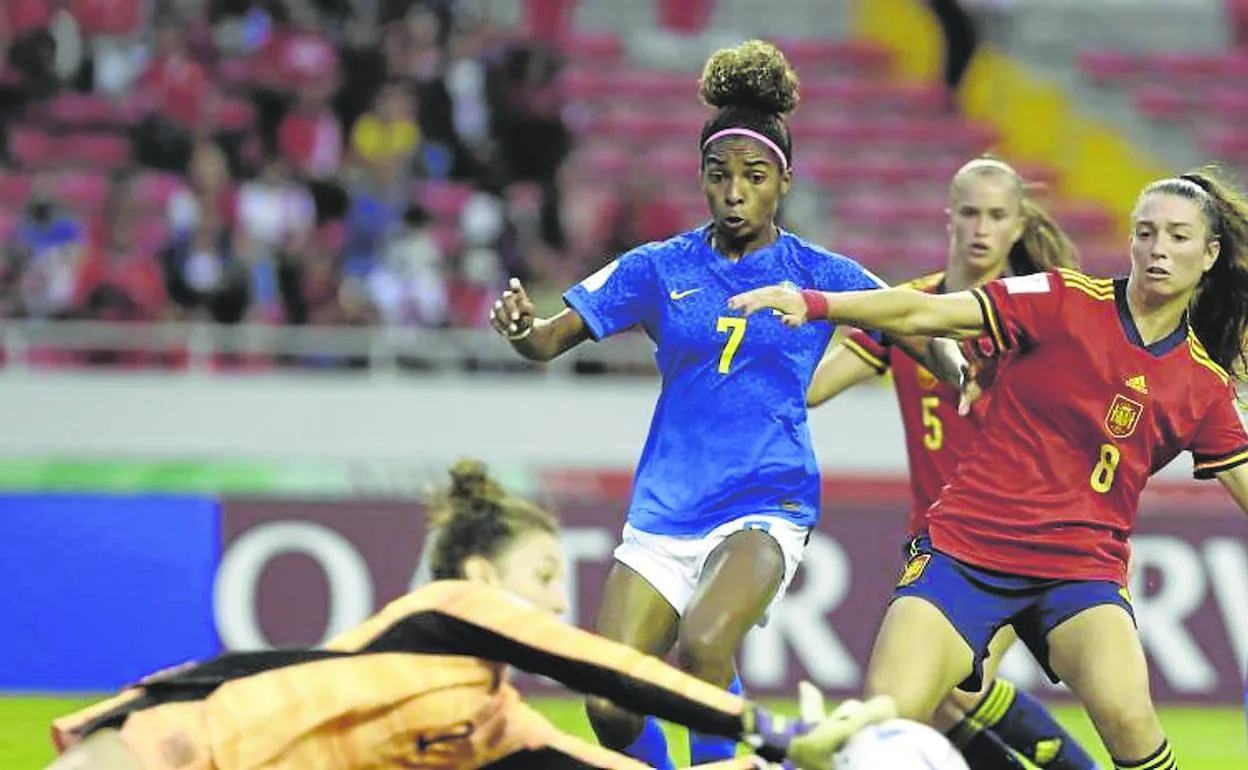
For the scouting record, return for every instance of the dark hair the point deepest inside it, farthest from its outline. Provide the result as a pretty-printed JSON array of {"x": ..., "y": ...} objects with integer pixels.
[
  {"x": 750, "y": 86},
  {"x": 476, "y": 517},
  {"x": 1219, "y": 309},
  {"x": 1043, "y": 244}
]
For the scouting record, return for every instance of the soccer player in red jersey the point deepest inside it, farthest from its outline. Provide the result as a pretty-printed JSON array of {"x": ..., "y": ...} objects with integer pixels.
[
  {"x": 994, "y": 230},
  {"x": 1107, "y": 382}
]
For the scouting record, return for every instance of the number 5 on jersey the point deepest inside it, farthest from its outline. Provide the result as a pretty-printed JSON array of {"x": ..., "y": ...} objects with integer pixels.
[
  {"x": 933, "y": 428},
  {"x": 735, "y": 327}
]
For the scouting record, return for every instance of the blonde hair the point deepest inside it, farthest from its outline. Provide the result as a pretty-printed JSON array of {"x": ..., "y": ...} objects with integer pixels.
[{"x": 1043, "y": 244}]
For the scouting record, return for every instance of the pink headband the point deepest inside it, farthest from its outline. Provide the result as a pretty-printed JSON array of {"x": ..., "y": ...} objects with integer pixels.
[{"x": 756, "y": 136}]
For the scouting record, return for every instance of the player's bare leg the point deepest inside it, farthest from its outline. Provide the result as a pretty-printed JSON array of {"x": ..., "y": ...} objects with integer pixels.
[
  {"x": 917, "y": 658},
  {"x": 1098, "y": 654},
  {"x": 738, "y": 582},
  {"x": 103, "y": 750},
  {"x": 958, "y": 703},
  {"x": 1001, "y": 718},
  {"x": 635, "y": 614}
]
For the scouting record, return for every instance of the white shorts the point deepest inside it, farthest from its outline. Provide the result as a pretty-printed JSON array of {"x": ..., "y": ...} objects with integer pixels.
[{"x": 673, "y": 565}]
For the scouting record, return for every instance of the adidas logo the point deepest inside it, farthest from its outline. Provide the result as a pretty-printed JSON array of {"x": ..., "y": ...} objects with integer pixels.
[{"x": 1138, "y": 384}]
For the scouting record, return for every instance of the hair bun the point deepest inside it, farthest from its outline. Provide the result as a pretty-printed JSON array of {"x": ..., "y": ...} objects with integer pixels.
[
  {"x": 470, "y": 482},
  {"x": 754, "y": 75}
]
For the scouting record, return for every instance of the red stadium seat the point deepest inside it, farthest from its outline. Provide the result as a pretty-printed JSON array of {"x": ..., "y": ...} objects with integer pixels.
[
  {"x": 26, "y": 15},
  {"x": 1038, "y": 174},
  {"x": 1084, "y": 219},
  {"x": 444, "y": 200},
  {"x": 104, "y": 151},
  {"x": 647, "y": 84},
  {"x": 859, "y": 57},
  {"x": 33, "y": 148},
  {"x": 1109, "y": 66},
  {"x": 1182, "y": 66},
  {"x": 602, "y": 50},
  {"x": 14, "y": 191},
  {"x": 1225, "y": 143},
  {"x": 1229, "y": 104},
  {"x": 1233, "y": 67},
  {"x": 108, "y": 17},
  {"x": 71, "y": 109},
  {"x": 583, "y": 85},
  {"x": 82, "y": 190},
  {"x": 548, "y": 19},
  {"x": 1160, "y": 101},
  {"x": 153, "y": 189},
  {"x": 829, "y": 170},
  {"x": 685, "y": 16}
]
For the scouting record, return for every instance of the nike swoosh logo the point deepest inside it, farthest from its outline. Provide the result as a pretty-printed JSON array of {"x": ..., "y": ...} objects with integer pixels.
[{"x": 679, "y": 295}]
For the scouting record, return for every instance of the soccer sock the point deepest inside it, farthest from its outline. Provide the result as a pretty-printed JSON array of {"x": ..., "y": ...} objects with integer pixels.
[
  {"x": 981, "y": 749},
  {"x": 1161, "y": 759},
  {"x": 1025, "y": 725},
  {"x": 712, "y": 748},
  {"x": 651, "y": 746}
]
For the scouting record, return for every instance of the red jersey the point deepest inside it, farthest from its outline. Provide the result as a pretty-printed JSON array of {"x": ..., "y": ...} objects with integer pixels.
[
  {"x": 1080, "y": 418},
  {"x": 936, "y": 435},
  {"x": 179, "y": 88}
]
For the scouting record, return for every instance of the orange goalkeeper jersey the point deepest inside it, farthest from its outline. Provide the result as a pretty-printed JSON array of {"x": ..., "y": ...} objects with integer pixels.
[{"x": 422, "y": 684}]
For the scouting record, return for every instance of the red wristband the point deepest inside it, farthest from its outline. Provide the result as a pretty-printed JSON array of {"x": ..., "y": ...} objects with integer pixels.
[{"x": 816, "y": 305}]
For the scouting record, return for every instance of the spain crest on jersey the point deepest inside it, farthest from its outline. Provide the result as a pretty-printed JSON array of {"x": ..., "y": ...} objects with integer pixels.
[
  {"x": 1124, "y": 415},
  {"x": 914, "y": 569}
]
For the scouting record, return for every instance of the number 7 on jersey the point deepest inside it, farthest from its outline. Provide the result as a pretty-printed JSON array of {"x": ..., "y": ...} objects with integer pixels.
[{"x": 735, "y": 327}]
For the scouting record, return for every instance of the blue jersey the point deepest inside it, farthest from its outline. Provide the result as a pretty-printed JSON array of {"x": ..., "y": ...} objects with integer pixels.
[{"x": 729, "y": 436}]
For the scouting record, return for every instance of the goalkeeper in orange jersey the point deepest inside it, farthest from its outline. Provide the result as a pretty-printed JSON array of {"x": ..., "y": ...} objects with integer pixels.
[{"x": 423, "y": 684}]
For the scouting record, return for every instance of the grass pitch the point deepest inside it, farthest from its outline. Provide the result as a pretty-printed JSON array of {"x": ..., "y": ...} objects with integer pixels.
[{"x": 1203, "y": 738}]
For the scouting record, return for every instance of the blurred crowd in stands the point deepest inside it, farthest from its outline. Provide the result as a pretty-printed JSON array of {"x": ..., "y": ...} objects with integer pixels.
[{"x": 276, "y": 161}]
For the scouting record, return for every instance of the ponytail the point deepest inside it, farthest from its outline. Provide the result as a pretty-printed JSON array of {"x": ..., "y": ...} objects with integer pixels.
[{"x": 1043, "y": 244}]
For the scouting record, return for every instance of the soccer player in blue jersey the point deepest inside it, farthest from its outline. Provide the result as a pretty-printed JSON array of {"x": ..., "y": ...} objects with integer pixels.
[{"x": 727, "y": 488}]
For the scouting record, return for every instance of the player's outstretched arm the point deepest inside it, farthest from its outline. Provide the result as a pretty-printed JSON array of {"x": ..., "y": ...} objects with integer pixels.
[
  {"x": 463, "y": 618},
  {"x": 537, "y": 339},
  {"x": 840, "y": 370},
  {"x": 102, "y": 750},
  {"x": 899, "y": 312}
]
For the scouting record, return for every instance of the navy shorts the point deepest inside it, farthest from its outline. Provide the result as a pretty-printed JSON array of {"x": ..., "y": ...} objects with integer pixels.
[{"x": 980, "y": 602}]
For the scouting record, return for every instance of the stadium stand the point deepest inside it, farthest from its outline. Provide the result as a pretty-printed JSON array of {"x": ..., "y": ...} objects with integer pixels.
[{"x": 300, "y": 163}]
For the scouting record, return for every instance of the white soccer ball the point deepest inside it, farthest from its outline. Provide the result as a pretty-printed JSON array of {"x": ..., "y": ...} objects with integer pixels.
[{"x": 898, "y": 744}]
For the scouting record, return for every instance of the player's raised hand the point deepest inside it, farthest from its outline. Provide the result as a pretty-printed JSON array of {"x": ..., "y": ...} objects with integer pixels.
[
  {"x": 512, "y": 314},
  {"x": 815, "y": 749},
  {"x": 787, "y": 301}
]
